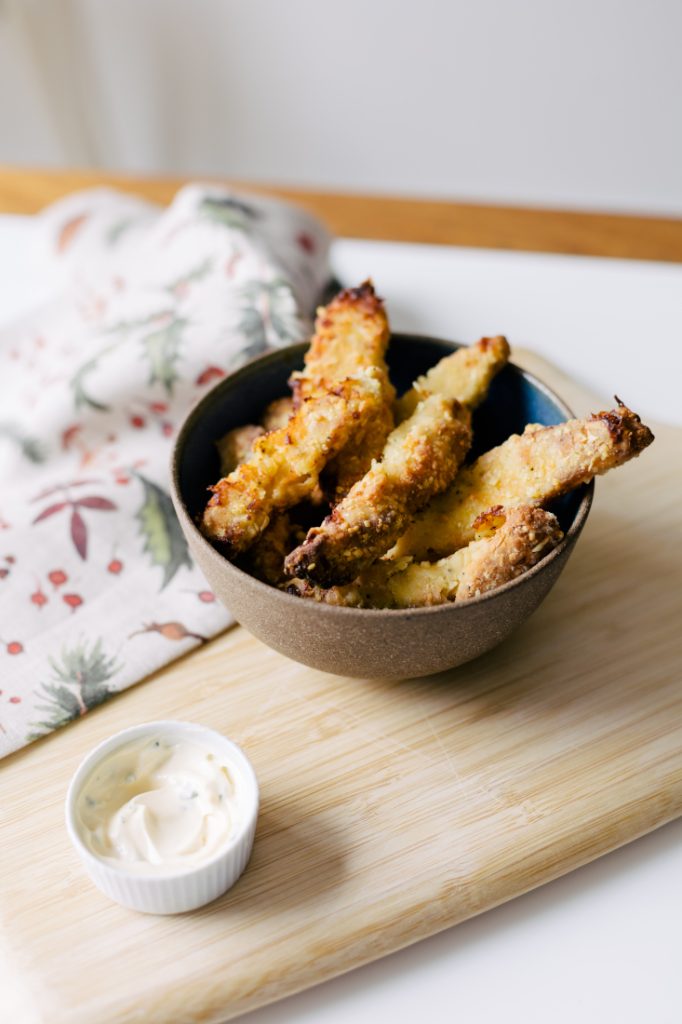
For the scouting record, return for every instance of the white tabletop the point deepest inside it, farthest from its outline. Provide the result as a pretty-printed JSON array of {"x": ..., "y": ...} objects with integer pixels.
[{"x": 601, "y": 944}]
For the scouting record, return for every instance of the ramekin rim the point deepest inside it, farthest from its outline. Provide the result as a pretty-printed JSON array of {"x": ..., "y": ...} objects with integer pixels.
[{"x": 113, "y": 742}]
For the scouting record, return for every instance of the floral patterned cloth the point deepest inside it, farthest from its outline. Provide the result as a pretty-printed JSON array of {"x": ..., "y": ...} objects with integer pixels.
[{"x": 97, "y": 588}]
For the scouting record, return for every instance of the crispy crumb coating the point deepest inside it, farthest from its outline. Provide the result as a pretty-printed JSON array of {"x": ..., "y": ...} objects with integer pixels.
[
  {"x": 464, "y": 375},
  {"x": 278, "y": 413},
  {"x": 356, "y": 458},
  {"x": 265, "y": 558},
  {"x": 420, "y": 459},
  {"x": 285, "y": 465},
  {"x": 236, "y": 446},
  {"x": 530, "y": 468},
  {"x": 511, "y": 543},
  {"x": 525, "y": 535},
  {"x": 351, "y": 337}
]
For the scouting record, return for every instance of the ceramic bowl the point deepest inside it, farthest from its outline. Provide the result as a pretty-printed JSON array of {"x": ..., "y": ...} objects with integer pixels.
[{"x": 364, "y": 642}]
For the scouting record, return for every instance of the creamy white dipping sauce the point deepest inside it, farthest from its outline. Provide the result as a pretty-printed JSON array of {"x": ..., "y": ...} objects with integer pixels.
[{"x": 159, "y": 803}]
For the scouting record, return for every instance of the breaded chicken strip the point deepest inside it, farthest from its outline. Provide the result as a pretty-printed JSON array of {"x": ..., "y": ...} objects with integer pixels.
[
  {"x": 531, "y": 468},
  {"x": 351, "y": 337},
  {"x": 236, "y": 446},
  {"x": 285, "y": 465},
  {"x": 278, "y": 413},
  {"x": 420, "y": 459},
  {"x": 464, "y": 375},
  {"x": 265, "y": 558},
  {"x": 356, "y": 458},
  {"x": 514, "y": 542},
  {"x": 525, "y": 535}
]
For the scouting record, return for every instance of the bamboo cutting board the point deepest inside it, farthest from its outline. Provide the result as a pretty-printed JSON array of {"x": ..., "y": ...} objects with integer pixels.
[{"x": 389, "y": 810}]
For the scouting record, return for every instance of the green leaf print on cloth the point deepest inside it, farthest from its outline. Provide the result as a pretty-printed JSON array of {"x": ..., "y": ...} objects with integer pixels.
[
  {"x": 115, "y": 231},
  {"x": 162, "y": 350},
  {"x": 30, "y": 448},
  {"x": 178, "y": 288},
  {"x": 79, "y": 679},
  {"x": 164, "y": 541},
  {"x": 269, "y": 315},
  {"x": 228, "y": 211},
  {"x": 81, "y": 396}
]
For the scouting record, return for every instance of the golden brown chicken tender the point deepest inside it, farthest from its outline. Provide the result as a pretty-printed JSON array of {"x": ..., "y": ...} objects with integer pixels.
[
  {"x": 265, "y": 558},
  {"x": 278, "y": 413},
  {"x": 464, "y": 375},
  {"x": 517, "y": 543},
  {"x": 530, "y": 468},
  {"x": 236, "y": 446},
  {"x": 351, "y": 337},
  {"x": 419, "y": 460},
  {"x": 510, "y": 543},
  {"x": 520, "y": 537},
  {"x": 355, "y": 459},
  {"x": 285, "y": 465}
]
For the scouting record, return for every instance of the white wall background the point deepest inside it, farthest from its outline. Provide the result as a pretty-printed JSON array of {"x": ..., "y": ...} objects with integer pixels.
[{"x": 526, "y": 101}]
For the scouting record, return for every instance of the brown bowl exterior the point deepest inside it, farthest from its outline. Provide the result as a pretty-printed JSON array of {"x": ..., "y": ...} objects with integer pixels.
[
  {"x": 375, "y": 644},
  {"x": 368, "y": 643}
]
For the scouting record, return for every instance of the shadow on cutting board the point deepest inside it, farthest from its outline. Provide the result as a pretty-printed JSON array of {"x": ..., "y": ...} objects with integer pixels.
[
  {"x": 613, "y": 607},
  {"x": 286, "y": 835}
]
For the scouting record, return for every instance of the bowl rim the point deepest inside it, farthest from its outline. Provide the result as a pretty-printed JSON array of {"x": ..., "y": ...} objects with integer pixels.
[{"x": 274, "y": 593}]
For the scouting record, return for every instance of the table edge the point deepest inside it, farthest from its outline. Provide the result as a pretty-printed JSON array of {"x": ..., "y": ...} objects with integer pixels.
[{"x": 394, "y": 218}]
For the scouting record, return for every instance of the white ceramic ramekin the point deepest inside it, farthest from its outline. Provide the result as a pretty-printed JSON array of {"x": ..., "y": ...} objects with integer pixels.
[{"x": 177, "y": 891}]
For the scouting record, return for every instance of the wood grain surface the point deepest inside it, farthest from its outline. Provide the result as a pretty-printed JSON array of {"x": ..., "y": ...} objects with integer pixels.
[
  {"x": 397, "y": 218},
  {"x": 389, "y": 810}
]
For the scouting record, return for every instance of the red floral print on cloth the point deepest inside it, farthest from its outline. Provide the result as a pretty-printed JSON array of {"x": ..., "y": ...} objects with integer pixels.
[
  {"x": 97, "y": 587},
  {"x": 77, "y": 525}
]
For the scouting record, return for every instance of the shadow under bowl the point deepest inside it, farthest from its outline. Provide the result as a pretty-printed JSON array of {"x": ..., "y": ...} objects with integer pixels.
[{"x": 368, "y": 643}]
